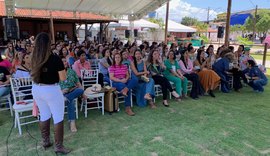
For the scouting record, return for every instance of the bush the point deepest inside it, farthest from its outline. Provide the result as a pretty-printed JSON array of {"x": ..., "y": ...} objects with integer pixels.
[{"x": 244, "y": 41}]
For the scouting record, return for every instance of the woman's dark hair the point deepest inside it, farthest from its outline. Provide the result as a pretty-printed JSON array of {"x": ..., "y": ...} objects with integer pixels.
[
  {"x": 174, "y": 56},
  {"x": 108, "y": 59},
  {"x": 183, "y": 57},
  {"x": 41, "y": 54},
  {"x": 190, "y": 47},
  {"x": 251, "y": 62},
  {"x": 150, "y": 56},
  {"x": 243, "y": 47},
  {"x": 224, "y": 52},
  {"x": 231, "y": 48},
  {"x": 1, "y": 59},
  {"x": 134, "y": 59},
  {"x": 23, "y": 56},
  {"x": 114, "y": 59},
  {"x": 207, "y": 50},
  {"x": 80, "y": 52},
  {"x": 199, "y": 52}
]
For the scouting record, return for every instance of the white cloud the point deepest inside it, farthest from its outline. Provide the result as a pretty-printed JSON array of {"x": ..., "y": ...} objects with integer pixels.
[{"x": 180, "y": 9}]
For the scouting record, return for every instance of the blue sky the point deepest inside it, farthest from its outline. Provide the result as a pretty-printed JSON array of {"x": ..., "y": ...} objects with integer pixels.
[
  {"x": 198, "y": 8},
  {"x": 237, "y": 5}
]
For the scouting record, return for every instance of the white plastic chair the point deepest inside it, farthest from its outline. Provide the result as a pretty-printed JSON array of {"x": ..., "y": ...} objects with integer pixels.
[
  {"x": 3, "y": 103},
  {"x": 90, "y": 77},
  {"x": 21, "y": 88}
]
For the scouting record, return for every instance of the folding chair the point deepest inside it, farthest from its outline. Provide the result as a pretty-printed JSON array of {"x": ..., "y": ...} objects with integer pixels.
[
  {"x": 5, "y": 104},
  {"x": 21, "y": 89},
  {"x": 90, "y": 77}
]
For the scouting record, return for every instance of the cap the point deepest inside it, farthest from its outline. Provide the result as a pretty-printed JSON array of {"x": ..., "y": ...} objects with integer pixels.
[{"x": 247, "y": 49}]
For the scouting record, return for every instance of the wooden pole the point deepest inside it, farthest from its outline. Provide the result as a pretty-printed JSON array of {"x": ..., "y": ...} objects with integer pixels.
[
  {"x": 264, "y": 53},
  {"x": 52, "y": 28},
  {"x": 166, "y": 23},
  {"x": 254, "y": 23},
  {"x": 227, "y": 34},
  {"x": 86, "y": 31}
]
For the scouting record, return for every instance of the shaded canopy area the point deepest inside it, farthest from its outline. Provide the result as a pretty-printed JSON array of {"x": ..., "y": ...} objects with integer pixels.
[{"x": 135, "y": 8}]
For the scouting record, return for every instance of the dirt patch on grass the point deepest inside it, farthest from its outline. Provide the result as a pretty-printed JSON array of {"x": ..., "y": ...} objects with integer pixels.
[
  {"x": 157, "y": 138},
  {"x": 153, "y": 154},
  {"x": 266, "y": 151}
]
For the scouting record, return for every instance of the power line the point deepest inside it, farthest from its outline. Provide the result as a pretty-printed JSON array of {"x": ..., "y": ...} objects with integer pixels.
[{"x": 252, "y": 3}]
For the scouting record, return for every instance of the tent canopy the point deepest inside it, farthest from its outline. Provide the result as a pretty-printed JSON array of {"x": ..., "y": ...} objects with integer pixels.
[
  {"x": 177, "y": 27},
  {"x": 134, "y": 8},
  {"x": 142, "y": 23}
]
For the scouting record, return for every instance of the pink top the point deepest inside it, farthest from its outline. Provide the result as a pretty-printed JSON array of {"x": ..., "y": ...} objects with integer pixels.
[
  {"x": 188, "y": 69},
  {"x": 5, "y": 63},
  {"x": 119, "y": 71},
  {"x": 78, "y": 66}
]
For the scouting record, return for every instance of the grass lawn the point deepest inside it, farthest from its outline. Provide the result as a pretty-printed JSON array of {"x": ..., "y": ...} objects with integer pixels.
[
  {"x": 260, "y": 56},
  {"x": 230, "y": 124}
]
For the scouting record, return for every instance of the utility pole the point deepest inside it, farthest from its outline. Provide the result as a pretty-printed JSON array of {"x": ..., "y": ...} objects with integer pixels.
[
  {"x": 254, "y": 23},
  {"x": 166, "y": 23},
  {"x": 208, "y": 15},
  {"x": 227, "y": 33},
  {"x": 207, "y": 34}
]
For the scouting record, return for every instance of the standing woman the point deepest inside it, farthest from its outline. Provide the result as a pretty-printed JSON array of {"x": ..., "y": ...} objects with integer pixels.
[{"x": 47, "y": 70}]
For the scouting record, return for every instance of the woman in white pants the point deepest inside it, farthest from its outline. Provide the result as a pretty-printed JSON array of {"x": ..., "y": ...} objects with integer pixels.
[{"x": 47, "y": 71}]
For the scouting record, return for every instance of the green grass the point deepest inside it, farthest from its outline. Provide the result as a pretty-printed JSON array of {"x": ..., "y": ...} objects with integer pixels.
[
  {"x": 260, "y": 57},
  {"x": 230, "y": 124}
]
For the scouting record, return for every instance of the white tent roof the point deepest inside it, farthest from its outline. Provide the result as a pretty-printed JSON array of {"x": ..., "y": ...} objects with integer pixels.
[
  {"x": 142, "y": 23},
  {"x": 137, "y": 8},
  {"x": 177, "y": 27}
]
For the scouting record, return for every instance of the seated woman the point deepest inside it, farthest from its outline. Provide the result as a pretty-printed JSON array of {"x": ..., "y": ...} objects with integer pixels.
[
  {"x": 4, "y": 81},
  {"x": 71, "y": 89},
  {"x": 173, "y": 74},
  {"x": 256, "y": 77},
  {"x": 120, "y": 80},
  {"x": 145, "y": 90},
  {"x": 187, "y": 69},
  {"x": 156, "y": 67},
  {"x": 208, "y": 78},
  {"x": 105, "y": 63},
  {"x": 83, "y": 64},
  {"x": 221, "y": 67},
  {"x": 23, "y": 70}
]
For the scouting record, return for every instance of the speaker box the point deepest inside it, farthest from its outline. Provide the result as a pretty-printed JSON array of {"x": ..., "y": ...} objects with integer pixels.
[
  {"x": 135, "y": 33},
  {"x": 127, "y": 33},
  {"x": 220, "y": 32},
  {"x": 11, "y": 27}
]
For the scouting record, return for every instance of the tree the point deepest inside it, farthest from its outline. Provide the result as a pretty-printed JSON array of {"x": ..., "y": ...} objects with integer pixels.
[
  {"x": 263, "y": 25},
  {"x": 159, "y": 21},
  {"x": 201, "y": 27},
  {"x": 189, "y": 21}
]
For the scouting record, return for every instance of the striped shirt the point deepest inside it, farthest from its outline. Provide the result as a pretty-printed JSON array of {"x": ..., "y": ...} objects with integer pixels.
[{"x": 119, "y": 71}]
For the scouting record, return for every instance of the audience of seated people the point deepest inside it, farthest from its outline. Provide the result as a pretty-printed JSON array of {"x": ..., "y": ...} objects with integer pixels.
[{"x": 138, "y": 68}]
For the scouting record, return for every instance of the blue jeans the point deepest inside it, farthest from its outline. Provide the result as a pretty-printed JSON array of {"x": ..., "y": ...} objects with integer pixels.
[
  {"x": 4, "y": 91},
  {"x": 143, "y": 88},
  {"x": 258, "y": 84},
  {"x": 70, "y": 103},
  {"x": 131, "y": 83}
]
